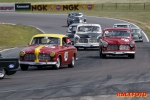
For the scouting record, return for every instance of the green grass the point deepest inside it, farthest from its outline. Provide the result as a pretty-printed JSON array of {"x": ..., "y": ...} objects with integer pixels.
[{"x": 15, "y": 35}]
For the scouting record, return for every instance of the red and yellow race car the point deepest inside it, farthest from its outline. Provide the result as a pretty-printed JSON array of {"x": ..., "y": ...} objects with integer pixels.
[{"x": 48, "y": 50}]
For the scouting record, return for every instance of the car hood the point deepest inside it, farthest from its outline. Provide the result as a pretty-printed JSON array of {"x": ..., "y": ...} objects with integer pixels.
[
  {"x": 88, "y": 35},
  {"x": 41, "y": 48},
  {"x": 117, "y": 40}
]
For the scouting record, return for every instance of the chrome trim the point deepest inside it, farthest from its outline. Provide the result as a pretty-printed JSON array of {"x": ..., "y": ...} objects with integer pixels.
[
  {"x": 126, "y": 52},
  {"x": 86, "y": 44},
  {"x": 37, "y": 63}
]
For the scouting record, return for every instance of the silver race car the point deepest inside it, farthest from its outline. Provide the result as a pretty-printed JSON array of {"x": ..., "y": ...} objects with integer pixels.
[
  {"x": 75, "y": 17},
  {"x": 87, "y": 36},
  {"x": 137, "y": 34}
]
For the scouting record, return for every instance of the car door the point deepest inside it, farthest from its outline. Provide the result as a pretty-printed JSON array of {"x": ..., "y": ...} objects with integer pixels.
[{"x": 66, "y": 51}]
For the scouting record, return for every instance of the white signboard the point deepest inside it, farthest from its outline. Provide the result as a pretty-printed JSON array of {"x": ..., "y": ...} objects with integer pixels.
[{"x": 7, "y": 7}]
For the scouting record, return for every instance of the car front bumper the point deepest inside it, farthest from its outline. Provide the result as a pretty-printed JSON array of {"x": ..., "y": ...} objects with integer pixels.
[
  {"x": 86, "y": 45},
  {"x": 37, "y": 63},
  {"x": 118, "y": 52}
]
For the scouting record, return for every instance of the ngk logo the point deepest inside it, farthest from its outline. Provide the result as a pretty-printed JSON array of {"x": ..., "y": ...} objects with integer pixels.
[
  {"x": 89, "y": 7},
  {"x": 7, "y": 8},
  {"x": 58, "y": 7}
]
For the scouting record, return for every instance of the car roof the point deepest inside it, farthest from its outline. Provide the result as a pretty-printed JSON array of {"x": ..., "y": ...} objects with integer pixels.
[
  {"x": 117, "y": 29},
  {"x": 75, "y": 24},
  {"x": 122, "y": 24},
  {"x": 135, "y": 28},
  {"x": 50, "y": 35},
  {"x": 76, "y": 12},
  {"x": 89, "y": 24}
]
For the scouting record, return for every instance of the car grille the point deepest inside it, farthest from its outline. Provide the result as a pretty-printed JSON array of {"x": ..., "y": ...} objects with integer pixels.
[
  {"x": 83, "y": 40},
  {"x": 40, "y": 57},
  {"x": 29, "y": 57},
  {"x": 112, "y": 47},
  {"x": 88, "y": 40},
  {"x": 44, "y": 57},
  {"x": 93, "y": 40},
  {"x": 124, "y": 47}
]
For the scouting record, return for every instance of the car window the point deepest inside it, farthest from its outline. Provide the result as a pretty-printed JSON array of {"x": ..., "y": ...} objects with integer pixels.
[
  {"x": 136, "y": 30},
  {"x": 88, "y": 29},
  {"x": 117, "y": 33},
  {"x": 64, "y": 41},
  {"x": 45, "y": 40}
]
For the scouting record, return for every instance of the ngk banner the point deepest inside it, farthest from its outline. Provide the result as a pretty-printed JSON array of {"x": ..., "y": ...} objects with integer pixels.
[
  {"x": 43, "y": 7},
  {"x": 54, "y": 7},
  {"x": 7, "y": 7},
  {"x": 72, "y": 7},
  {"x": 23, "y": 6}
]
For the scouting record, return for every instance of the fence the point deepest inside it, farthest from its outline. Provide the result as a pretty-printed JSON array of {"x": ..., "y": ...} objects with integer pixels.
[{"x": 123, "y": 6}]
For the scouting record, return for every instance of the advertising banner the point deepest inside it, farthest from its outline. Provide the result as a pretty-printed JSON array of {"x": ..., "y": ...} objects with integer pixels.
[
  {"x": 23, "y": 6},
  {"x": 7, "y": 7},
  {"x": 54, "y": 7}
]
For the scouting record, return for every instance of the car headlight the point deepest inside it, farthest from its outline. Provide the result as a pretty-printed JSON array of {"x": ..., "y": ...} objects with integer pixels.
[
  {"x": 105, "y": 44},
  {"x": 76, "y": 38},
  {"x": 22, "y": 53},
  {"x": 80, "y": 21},
  {"x": 52, "y": 54},
  {"x": 132, "y": 44}
]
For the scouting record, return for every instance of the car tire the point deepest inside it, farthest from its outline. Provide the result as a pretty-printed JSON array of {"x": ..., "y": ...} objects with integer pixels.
[
  {"x": 2, "y": 73},
  {"x": 24, "y": 67},
  {"x": 71, "y": 65},
  {"x": 102, "y": 55},
  {"x": 132, "y": 56},
  {"x": 67, "y": 24},
  {"x": 57, "y": 66}
]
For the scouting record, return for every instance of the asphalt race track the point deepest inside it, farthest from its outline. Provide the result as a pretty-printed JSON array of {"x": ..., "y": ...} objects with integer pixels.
[{"x": 92, "y": 78}]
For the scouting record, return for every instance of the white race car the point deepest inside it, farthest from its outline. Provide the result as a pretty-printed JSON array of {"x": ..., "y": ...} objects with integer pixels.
[{"x": 87, "y": 36}]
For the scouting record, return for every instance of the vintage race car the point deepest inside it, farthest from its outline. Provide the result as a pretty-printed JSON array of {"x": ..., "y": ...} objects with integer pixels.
[
  {"x": 137, "y": 34},
  {"x": 122, "y": 25},
  {"x": 87, "y": 36},
  {"x": 75, "y": 17},
  {"x": 48, "y": 50},
  {"x": 117, "y": 41},
  {"x": 8, "y": 66}
]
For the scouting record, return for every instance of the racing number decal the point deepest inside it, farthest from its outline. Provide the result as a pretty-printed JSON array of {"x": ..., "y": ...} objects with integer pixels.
[{"x": 66, "y": 56}]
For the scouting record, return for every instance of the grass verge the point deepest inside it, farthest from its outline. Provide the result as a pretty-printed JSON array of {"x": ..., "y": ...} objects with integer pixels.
[{"x": 15, "y": 35}]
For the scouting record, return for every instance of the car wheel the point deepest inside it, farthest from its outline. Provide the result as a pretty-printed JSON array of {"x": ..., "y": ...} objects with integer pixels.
[
  {"x": 71, "y": 65},
  {"x": 131, "y": 56},
  {"x": 2, "y": 73},
  {"x": 24, "y": 67},
  {"x": 67, "y": 23},
  {"x": 102, "y": 55},
  {"x": 57, "y": 66}
]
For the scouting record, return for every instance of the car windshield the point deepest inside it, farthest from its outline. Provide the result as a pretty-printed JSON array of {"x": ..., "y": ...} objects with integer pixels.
[
  {"x": 88, "y": 29},
  {"x": 122, "y": 26},
  {"x": 135, "y": 30},
  {"x": 136, "y": 34},
  {"x": 117, "y": 33},
  {"x": 76, "y": 14},
  {"x": 45, "y": 40}
]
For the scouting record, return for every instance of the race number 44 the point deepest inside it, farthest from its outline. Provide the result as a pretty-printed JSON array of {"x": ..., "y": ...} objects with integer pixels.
[{"x": 66, "y": 56}]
